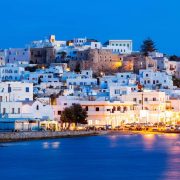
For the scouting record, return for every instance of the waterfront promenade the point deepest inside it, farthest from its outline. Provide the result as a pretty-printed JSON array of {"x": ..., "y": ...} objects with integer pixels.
[{"x": 25, "y": 136}]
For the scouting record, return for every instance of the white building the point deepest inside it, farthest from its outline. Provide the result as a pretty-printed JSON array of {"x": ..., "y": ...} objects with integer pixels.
[
  {"x": 38, "y": 77},
  {"x": 83, "y": 79},
  {"x": 116, "y": 91},
  {"x": 11, "y": 72},
  {"x": 2, "y": 57},
  {"x": 18, "y": 55},
  {"x": 121, "y": 79},
  {"x": 17, "y": 91},
  {"x": 160, "y": 60},
  {"x": 100, "y": 113},
  {"x": 154, "y": 79},
  {"x": 120, "y": 46},
  {"x": 79, "y": 41},
  {"x": 173, "y": 68},
  {"x": 39, "y": 109},
  {"x": 151, "y": 106}
]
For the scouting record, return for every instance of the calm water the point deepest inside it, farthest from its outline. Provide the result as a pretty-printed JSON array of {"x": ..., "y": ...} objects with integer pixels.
[{"x": 100, "y": 157}]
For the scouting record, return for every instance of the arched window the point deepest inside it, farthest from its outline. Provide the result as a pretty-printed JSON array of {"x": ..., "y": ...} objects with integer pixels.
[
  {"x": 37, "y": 107},
  {"x": 118, "y": 108}
]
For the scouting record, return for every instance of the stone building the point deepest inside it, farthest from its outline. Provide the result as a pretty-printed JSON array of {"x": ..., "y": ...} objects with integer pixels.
[
  {"x": 45, "y": 55},
  {"x": 133, "y": 63},
  {"x": 99, "y": 60}
]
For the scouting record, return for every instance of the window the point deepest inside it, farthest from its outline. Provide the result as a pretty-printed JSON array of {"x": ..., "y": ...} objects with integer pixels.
[
  {"x": 123, "y": 92},
  {"x": 118, "y": 108},
  {"x": 27, "y": 89},
  {"x": 97, "y": 108},
  {"x": 134, "y": 99},
  {"x": 59, "y": 112},
  {"x": 9, "y": 88},
  {"x": 0, "y": 98},
  {"x": 87, "y": 108},
  {"x": 114, "y": 109},
  {"x": 4, "y": 110},
  {"x": 37, "y": 107},
  {"x": 125, "y": 108},
  {"x": 65, "y": 104},
  {"x": 154, "y": 99},
  {"x": 145, "y": 99},
  {"x": 117, "y": 91},
  {"x": 146, "y": 75},
  {"x": 19, "y": 111},
  {"x": 12, "y": 110}
]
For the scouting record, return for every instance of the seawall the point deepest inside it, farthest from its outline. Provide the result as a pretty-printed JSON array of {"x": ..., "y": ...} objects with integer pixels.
[{"x": 25, "y": 136}]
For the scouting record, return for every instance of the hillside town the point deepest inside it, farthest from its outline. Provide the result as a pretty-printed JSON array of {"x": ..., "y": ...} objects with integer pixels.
[{"x": 114, "y": 84}]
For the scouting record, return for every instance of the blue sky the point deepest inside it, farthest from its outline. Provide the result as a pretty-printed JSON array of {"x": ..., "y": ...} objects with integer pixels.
[{"x": 25, "y": 20}]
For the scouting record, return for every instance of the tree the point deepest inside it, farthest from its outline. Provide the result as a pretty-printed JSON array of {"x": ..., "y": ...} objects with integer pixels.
[
  {"x": 67, "y": 116},
  {"x": 79, "y": 114},
  {"x": 174, "y": 58},
  {"x": 74, "y": 114},
  {"x": 148, "y": 46}
]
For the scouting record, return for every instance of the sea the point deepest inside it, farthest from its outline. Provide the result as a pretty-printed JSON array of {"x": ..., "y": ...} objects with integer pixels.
[{"x": 116, "y": 157}]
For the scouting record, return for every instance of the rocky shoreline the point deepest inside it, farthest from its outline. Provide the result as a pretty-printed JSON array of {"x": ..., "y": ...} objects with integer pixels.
[{"x": 26, "y": 136}]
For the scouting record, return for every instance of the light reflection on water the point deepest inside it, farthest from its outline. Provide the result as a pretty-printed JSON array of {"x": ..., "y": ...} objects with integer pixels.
[
  {"x": 147, "y": 157},
  {"x": 149, "y": 140},
  {"x": 53, "y": 145}
]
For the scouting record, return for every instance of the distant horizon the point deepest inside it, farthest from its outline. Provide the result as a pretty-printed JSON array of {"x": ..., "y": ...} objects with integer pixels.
[{"x": 102, "y": 20}]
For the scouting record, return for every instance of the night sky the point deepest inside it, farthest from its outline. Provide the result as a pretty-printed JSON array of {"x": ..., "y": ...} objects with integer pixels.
[{"x": 25, "y": 20}]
